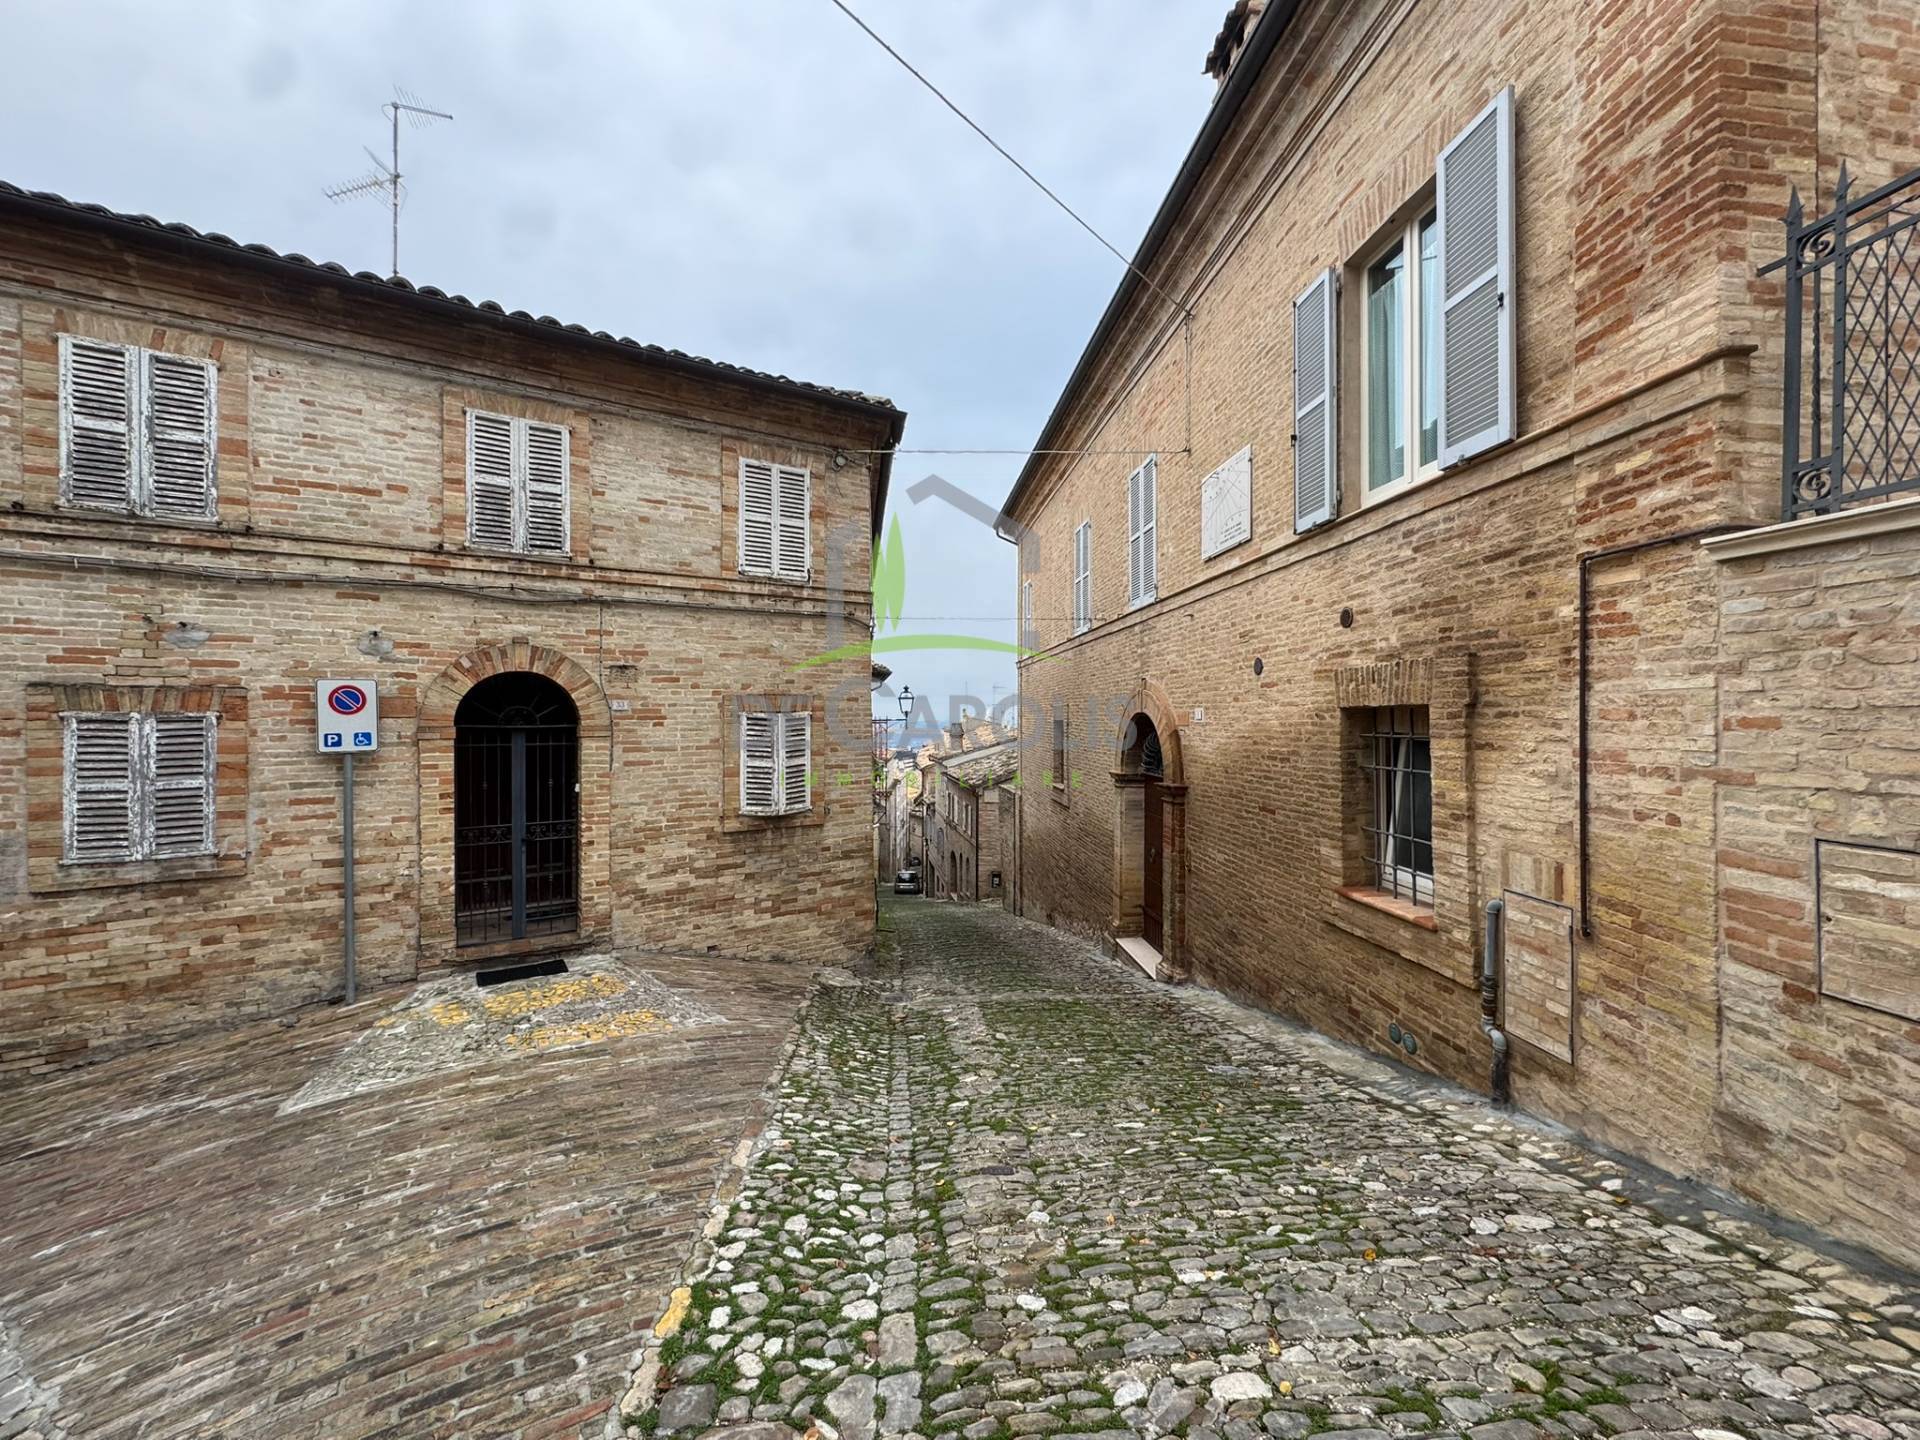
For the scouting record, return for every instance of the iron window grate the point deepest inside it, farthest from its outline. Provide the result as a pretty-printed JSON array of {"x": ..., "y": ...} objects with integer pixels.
[{"x": 1396, "y": 752}]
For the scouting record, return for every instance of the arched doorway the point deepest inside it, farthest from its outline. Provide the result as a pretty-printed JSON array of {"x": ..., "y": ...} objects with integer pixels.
[
  {"x": 516, "y": 810},
  {"x": 1149, "y": 859}
]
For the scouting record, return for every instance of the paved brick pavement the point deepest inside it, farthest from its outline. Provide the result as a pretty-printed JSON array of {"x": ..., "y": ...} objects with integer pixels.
[
  {"x": 445, "y": 1213},
  {"x": 1008, "y": 1188}
]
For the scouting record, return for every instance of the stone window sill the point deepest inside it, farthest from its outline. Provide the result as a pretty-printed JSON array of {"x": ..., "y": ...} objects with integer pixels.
[{"x": 1397, "y": 906}]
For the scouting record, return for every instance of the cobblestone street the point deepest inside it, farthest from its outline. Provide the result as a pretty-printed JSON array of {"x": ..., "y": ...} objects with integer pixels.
[
  {"x": 1009, "y": 1188},
  {"x": 444, "y": 1213}
]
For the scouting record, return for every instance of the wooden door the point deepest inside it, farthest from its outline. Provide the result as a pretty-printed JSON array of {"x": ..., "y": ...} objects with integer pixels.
[{"x": 1151, "y": 929}]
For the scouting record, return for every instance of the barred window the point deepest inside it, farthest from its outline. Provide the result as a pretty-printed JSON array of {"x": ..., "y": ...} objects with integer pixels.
[
  {"x": 1060, "y": 751},
  {"x": 1397, "y": 754}
]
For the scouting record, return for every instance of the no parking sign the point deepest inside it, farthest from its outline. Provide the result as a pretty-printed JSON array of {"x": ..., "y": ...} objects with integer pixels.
[{"x": 349, "y": 716}]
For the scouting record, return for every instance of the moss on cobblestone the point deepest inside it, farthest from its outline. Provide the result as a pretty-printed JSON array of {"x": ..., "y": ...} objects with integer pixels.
[{"x": 1076, "y": 1188}]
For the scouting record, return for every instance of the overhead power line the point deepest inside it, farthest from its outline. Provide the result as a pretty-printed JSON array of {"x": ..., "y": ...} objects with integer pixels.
[{"x": 1038, "y": 183}]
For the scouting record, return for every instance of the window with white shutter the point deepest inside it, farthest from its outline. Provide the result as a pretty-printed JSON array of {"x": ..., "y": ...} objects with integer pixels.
[
  {"x": 796, "y": 762},
  {"x": 138, "y": 431},
  {"x": 1027, "y": 638},
  {"x": 517, "y": 484},
  {"x": 775, "y": 520},
  {"x": 179, "y": 770},
  {"x": 1083, "y": 577},
  {"x": 1142, "y": 543},
  {"x": 1474, "y": 182},
  {"x": 1316, "y": 476},
  {"x": 100, "y": 792},
  {"x": 138, "y": 787},
  {"x": 776, "y": 762}
]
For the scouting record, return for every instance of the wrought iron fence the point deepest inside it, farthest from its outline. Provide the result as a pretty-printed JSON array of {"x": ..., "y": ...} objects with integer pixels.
[{"x": 1851, "y": 432}]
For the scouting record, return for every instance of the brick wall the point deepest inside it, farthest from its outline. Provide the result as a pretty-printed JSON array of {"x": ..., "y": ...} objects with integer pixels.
[
  {"x": 340, "y": 551},
  {"x": 1656, "y": 143}
]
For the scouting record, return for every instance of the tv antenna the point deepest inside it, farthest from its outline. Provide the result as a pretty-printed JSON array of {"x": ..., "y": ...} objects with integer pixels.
[{"x": 384, "y": 178}]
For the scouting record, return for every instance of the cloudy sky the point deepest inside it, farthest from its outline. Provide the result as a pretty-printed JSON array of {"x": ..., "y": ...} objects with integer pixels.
[{"x": 752, "y": 180}]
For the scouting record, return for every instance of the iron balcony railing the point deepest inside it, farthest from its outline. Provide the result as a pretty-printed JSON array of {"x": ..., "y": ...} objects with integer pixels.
[{"x": 1851, "y": 417}]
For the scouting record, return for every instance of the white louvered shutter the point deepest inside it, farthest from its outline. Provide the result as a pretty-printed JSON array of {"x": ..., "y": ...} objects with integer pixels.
[
  {"x": 759, "y": 763},
  {"x": 757, "y": 500},
  {"x": 97, "y": 388},
  {"x": 793, "y": 546},
  {"x": 490, "y": 502},
  {"x": 796, "y": 762},
  {"x": 547, "y": 449},
  {"x": 180, "y": 443},
  {"x": 1150, "y": 529},
  {"x": 1316, "y": 473},
  {"x": 1475, "y": 187},
  {"x": 101, "y": 814},
  {"x": 1026, "y": 615},
  {"x": 179, "y": 772}
]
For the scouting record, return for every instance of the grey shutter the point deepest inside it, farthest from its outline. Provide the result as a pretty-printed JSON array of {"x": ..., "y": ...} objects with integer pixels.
[
  {"x": 490, "y": 504},
  {"x": 1475, "y": 186},
  {"x": 796, "y": 761},
  {"x": 1026, "y": 615},
  {"x": 759, "y": 763},
  {"x": 1083, "y": 577},
  {"x": 97, "y": 387},
  {"x": 793, "y": 545},
  {"x": 99, "y": 791},
  {"x": 757, "y": 500},
  {"x": 179, "y": 772},
  {"x": 547, "y": 450},
  {"x": 1316, "y": 473},
  {"x": 1150, "y": 528},
  {"x": 180, "y": 443},
  {"x": 1133, "y": 538}
]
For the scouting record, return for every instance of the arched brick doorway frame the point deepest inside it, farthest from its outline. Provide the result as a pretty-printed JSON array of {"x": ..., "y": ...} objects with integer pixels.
[
  {"x": 1150, "y": 702},
  {"x": 434, "y": 730}
]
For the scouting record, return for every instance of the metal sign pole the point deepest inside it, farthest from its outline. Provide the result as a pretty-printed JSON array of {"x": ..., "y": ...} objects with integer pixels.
[{"x": 346, "y": 854}]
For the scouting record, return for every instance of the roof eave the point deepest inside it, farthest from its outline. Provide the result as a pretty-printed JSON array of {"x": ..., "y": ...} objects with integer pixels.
[
  {"x": 693, "y": 366},
  {"x": 1261, "y": 43}
]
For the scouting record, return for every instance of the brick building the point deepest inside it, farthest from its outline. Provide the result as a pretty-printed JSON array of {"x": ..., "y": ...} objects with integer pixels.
[
  {"x": 976, "y": 791},
  {"x": 1446, "y": 562},
  {"x": 580, "y": 570}
]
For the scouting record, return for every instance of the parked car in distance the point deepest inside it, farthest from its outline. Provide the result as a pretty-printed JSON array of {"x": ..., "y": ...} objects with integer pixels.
[{"x": 907, "y": 882}]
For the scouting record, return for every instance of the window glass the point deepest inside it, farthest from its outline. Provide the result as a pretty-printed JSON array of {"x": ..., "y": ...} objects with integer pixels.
[
  {"x": 1386, "y": 447},
  {"x": 1412, "y": 824},
  {"x": 1429, "y": 340}
]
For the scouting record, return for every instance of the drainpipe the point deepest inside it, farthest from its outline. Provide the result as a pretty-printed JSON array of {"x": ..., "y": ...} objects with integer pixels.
[{"x": 1490, "y": 1002}]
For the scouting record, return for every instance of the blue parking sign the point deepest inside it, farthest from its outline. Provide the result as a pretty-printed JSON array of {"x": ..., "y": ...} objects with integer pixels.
[{"x": 332, "y": 741}]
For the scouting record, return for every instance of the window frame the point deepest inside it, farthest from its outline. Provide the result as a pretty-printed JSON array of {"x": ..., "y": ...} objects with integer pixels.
[
  {"x": 781, "y": 721},
  {"x": 1060, "y": 753},
  {"x": 519, "y": 431},
  {"x": 1404, "y": 235},
  {"x": 140, "y": 426},
  {"x": 1387, "y": 756},
  {"x": 780, "y": 475},
  {"x": 142, "y": 783}
]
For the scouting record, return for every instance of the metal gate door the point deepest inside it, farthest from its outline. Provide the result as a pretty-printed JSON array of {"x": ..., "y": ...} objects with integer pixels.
[{"x": 516, "y": 811}]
